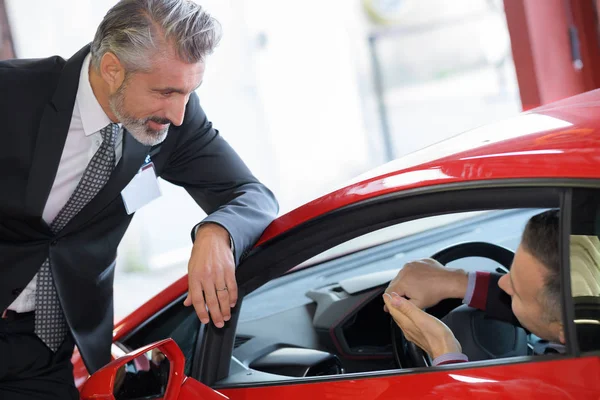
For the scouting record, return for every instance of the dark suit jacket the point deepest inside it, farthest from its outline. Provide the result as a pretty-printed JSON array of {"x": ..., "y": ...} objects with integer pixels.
[
  {"x": 498, "y": 302},
  {"x": 36, "y": 105}
]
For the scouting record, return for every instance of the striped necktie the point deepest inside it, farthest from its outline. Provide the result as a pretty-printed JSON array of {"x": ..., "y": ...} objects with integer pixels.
[{"x": 50, "y": 324}]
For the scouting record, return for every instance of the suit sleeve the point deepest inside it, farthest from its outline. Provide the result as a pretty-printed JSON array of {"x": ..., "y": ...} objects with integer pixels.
[
  {"x": 205, "y": 165},
  {"x": 487, "y": 296}
]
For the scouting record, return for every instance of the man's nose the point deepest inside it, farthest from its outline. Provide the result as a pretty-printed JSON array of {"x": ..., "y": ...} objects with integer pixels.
[
  {"x": 176, "y": 110},
  {"x": 503, "y": 284}
]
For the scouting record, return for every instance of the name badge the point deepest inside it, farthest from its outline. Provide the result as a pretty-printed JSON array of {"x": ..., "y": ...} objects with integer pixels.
[{"x": 142, "y": 189}]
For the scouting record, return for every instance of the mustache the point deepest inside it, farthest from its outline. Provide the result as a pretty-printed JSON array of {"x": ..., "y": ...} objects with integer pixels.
[{"x": 158, "y": 120}]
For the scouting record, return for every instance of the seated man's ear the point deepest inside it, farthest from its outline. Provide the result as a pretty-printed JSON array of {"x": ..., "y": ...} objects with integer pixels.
[{"x": 561, "y": 334}]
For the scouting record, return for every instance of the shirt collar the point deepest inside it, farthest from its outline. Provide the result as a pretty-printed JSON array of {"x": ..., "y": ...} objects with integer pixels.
[{"x": 93, "y": 117}]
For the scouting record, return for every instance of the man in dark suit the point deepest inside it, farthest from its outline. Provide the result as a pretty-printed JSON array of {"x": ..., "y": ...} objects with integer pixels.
[
  {"x": 528, "y": 296},
  {"x": 78, "y": 132}
]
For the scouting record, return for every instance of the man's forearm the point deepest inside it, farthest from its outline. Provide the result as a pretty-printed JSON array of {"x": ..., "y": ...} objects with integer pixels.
[
  {"x": 228, "y": 235},
  {"x": 245, "y": 217},
  {"x": 474, "y": 295},
  {"x": 459, "y": 285}
]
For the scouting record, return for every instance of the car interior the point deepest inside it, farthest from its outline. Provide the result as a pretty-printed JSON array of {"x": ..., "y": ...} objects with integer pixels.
[
  {"x": 325, "y": 317},
  {"x": 335, "y": 310},
  {"x": 584, "y": 276}
]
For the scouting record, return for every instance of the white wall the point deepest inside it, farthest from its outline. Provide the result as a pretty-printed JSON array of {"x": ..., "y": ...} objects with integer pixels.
[
  {"x": 290, "y": 108},
  {"x": 291, "y": 88}
]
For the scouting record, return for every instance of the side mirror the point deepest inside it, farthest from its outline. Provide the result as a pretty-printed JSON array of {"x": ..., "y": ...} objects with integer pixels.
[{"x": 153, "y": 371}]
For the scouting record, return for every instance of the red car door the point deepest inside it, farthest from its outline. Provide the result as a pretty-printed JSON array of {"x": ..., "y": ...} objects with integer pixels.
[
  {"x": 569, "y": 378},
  {"x": 573, "y": 378}
]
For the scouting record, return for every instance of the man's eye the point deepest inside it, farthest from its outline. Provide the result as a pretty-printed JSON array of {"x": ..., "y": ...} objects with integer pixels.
[{"x": 166, "y": 94}]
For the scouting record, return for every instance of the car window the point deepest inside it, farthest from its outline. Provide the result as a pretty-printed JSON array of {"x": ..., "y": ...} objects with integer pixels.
[
  {"x": 389, "y": 234},
  {"x": 177, "y": 322},
  {"x": 584, "y": 246},
  {"x": 332, "y": 308},
  {"x": 500, "y": 227}
]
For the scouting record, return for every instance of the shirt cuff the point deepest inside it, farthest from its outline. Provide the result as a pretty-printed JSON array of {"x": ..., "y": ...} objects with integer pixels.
[
  {"x": 470, "y": 288},
  {"x": 480, "y": 290},
  {"x": 449, "y": 358}
]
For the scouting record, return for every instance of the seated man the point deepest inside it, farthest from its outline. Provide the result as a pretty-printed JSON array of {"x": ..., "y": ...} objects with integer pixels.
[{"x": 528, "y": 296}]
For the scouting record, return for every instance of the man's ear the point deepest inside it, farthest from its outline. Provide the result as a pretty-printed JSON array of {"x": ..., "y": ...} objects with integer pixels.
[
  {"x": 112, "y": 71},
  {"x": 561, "y": 334}
]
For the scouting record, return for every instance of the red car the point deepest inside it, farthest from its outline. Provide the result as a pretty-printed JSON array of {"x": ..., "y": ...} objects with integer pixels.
[{"x": 310, "y": 322}]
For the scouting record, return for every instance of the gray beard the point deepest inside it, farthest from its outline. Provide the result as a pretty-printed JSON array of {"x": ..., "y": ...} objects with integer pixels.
[
  {"x": 141, "y": 132},
  {"x": 136, "y": 127}
]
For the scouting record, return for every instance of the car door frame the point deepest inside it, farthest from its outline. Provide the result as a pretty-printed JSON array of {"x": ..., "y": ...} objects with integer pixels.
[{"x": 275, "y": 257}]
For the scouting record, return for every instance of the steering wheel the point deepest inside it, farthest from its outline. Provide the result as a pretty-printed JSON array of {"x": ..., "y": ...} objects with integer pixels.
[{"x": 406, "y": 353}]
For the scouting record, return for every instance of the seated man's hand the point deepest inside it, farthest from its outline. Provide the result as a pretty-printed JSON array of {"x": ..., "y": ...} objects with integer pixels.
[
  {"x": 426, "y": 331},
  {"x": 157, "y": 356},
  {"x": 426, "y": 282}
]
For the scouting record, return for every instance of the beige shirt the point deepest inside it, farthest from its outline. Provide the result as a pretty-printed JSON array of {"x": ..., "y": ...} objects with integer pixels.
[{"x": 585, "y": 265}]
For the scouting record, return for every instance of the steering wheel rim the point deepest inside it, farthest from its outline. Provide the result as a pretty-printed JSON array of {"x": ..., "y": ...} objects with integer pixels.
[
  {"x": 501, "y": 255},
  {"x": 408, "y": 354}
]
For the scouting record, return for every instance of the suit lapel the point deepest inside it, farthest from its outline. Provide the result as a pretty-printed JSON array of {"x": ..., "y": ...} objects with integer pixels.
[
  {"x": 132, "y": 159},
  {"x": 54, "y": 128},
  {"x": 52, "y": 134},
  {"x": 46, "y": 157}
]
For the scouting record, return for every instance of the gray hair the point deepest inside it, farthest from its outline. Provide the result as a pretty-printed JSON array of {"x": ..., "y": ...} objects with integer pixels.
[{"x": 134, "y": 30}]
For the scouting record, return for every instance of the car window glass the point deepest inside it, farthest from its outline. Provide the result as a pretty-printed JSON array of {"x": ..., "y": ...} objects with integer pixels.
[
  {"x": 177, "y": 322},
  {"x": 501, "y": 227},
  {"x": 332, "y": 306},
  {"x": 584, "y": 247},
  {"x": 145, "y": 377},
  {"x": 389, "y": 234}
]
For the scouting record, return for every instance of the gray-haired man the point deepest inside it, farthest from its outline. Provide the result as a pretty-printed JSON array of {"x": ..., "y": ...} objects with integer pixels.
[{"x": 75, "y": 134}]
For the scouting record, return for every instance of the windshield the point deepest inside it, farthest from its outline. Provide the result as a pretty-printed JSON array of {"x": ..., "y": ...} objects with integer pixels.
[{"x": 388, "y": 234}]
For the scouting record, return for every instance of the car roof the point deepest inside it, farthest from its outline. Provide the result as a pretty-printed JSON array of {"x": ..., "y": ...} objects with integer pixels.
[{"x": 559, "y": 140}]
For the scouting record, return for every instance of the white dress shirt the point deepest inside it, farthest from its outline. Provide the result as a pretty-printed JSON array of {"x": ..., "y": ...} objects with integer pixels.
[{"x": 83, "y": 140}]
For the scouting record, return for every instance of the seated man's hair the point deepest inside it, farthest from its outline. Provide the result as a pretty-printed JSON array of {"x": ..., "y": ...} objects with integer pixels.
[{"x": 541, "y": 240}]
